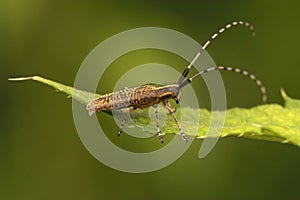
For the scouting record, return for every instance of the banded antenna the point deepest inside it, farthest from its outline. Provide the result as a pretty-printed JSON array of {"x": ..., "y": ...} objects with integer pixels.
[{"x": 214, "y": 36}]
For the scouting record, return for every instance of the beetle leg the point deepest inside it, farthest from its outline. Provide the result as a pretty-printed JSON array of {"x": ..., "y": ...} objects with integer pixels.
[
  {"x": 171, "y": 111},
  {"x": 122, "y": 111},
  {"x": 122, "y": 124},
  {"x": 160, "y": 136}
]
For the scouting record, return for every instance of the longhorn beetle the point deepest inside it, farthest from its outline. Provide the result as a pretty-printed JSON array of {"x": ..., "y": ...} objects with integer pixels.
[{"x": 144, "y": 96}]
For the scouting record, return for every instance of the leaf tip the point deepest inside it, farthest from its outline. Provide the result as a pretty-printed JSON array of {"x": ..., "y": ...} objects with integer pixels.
[
  {"x": 21, "y": 78},
  {"x": 283, "y": 93},
  {"x": 285, "y": 141},
  {"x": 24, "y": 78}
]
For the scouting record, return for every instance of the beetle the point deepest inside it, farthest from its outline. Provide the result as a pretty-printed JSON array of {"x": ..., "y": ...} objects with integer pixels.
[{"x": 144, "y": 96}]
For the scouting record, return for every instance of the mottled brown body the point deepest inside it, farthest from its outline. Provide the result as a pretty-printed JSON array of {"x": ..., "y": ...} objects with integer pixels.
[{"x": 138, "y": 97}]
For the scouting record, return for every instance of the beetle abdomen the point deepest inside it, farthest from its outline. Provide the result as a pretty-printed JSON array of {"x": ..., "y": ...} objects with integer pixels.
[{"x": 138, "y": 97}]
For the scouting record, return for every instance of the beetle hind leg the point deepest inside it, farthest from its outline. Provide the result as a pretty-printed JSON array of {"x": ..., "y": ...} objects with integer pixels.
[{"x": 122, "y": 124}]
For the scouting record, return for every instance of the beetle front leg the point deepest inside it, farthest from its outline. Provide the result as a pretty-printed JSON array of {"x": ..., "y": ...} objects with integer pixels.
[{"x": 171, "y": 111}]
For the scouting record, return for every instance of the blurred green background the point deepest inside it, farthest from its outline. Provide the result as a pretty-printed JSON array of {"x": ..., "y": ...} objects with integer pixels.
[{"x": 42, "y": 156}]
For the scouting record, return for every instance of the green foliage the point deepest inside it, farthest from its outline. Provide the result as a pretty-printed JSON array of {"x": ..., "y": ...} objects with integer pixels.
[{"x": 271, "y": 122}]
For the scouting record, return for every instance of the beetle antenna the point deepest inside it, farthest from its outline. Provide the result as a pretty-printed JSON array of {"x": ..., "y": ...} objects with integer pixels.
[
  {"x": 241, "y": 71},
  {"x": 214, "y": 36}
]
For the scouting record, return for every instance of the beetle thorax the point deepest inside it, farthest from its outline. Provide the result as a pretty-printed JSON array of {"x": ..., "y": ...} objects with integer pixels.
[{"x": 169, "y": 92}]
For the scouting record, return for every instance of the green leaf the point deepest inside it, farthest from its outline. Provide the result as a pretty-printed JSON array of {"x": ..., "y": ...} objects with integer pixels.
[
  {"x": 271, "y": 122},
  {"x": 289, "y": 102},
  {"x": 82, "y": 97}
]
